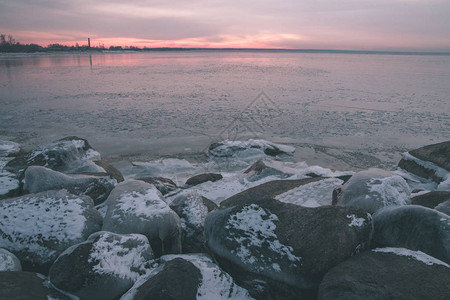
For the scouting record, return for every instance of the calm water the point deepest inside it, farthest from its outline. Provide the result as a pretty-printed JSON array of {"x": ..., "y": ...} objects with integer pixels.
[{"x": 339, "y": 110}]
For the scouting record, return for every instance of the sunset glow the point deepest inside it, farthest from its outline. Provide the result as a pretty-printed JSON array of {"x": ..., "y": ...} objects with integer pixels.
[{"x": 309, "y": 24}]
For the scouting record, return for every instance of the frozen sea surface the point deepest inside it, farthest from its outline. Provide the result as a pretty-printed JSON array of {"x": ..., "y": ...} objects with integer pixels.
[{"x": 343, "y": 111}]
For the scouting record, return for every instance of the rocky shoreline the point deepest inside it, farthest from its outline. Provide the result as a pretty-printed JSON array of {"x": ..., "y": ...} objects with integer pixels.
[{"x": 242, "y": 225}]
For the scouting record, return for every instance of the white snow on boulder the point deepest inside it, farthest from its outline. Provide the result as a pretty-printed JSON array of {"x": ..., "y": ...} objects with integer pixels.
[
  {"x": 417, "y": 255},
  {"x": 8, "y": 148},
  {"x": 313, "y": 194},
  {"x": 38, "y": 227},
  {"x": 8, "y": 180},
  {"x": 256, "y": 227},
  {"x": 117, "y": 259}
]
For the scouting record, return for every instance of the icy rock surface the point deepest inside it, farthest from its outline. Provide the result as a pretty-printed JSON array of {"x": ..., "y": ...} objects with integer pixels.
[
  {"x": 313, "y": 194},
  {"x": 103, "y": 267},
  {"x": 372, "y": 190},
  {"x": 138, "y": 207},
  {"x": 39, "y": 227},
  {"x": 444, "y": 207},
  {"x": 192, "y": 209},
  {"x": 413, "y": 227},
  {"x": 286, "y": 243},
  {"x": 38, "y": 179},
  {"x": 387, "y": 273},
  {"x": 215, "y": 283},
  {"x": 68, "y": 155},
  {"x": 9, "y": 262}
]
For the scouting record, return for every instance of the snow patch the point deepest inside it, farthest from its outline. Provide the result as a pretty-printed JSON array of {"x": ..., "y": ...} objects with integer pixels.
[
  {"x": 393, "y": 190},
  {"x": 356, "y": 222},
  {"x": 417, "y": 255}
]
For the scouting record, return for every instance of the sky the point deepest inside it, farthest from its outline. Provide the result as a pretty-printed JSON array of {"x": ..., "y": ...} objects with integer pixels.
[{"x": 393, "y": 25}]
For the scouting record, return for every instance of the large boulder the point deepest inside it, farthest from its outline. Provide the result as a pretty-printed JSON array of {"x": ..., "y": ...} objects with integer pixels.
[
  {"x": 178, "y": 280},
  {"x": 430, "y": 162},
  {"x": 138, "y": 207},
  {"x": 387, "y": 273},
  {"x": 182, "y": 273},
  {"x": 261, "y": 169},
  {"x": 287, "y": 247},
  {"x": 9, "y": 262},
  {"x": 201, "y": 178},
  {"x": 39, "y": 179},
  {"x": 192, "y": 208},
  {"x": 373, "y": 189},
  {"x": 103, "y": 267},
  {"x": 27, "y": 286},
  {"x": 39, "y": 227},
  {"x": 431, "y": 199},
  {"x": 413, "y": 227}
]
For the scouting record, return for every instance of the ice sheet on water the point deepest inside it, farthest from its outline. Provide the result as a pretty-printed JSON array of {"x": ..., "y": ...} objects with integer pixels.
[
  {"x": 417, "y": 255},
  {"x": 313, "y": 194}
]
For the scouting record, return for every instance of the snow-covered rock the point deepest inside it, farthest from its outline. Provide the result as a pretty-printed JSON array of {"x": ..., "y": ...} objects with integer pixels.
[
  {"x": 215, "y": 284},
  {"x": 372, "y": 190},
  {"x": 39, "y": 227},
  {"x": 192, "y": 208},
  {"x": 288, "y": 247},
  {"x": 138, "y": 207},
  {"x": 249, "y": 147},
  {"x": 9, "y": 262},
  {"x": 387, "y": 273},
  {"x": 39, "y": 179},
  {"x": 413, "y": 227},
  {"x": 429, "y": 162},
  {"x": 27, "y": 285},
  {"x": 264, "y": 168},
  {"x": 67, "y": 155},
  {"x": 105, "y": 266},
  {"x": 314, "y": 194}
]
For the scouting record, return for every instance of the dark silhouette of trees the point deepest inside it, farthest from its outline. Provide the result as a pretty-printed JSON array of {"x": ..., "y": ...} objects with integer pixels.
[{"x": 9, "y": 44}]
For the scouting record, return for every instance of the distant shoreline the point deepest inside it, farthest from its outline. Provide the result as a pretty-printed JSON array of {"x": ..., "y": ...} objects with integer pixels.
[{"x": 170, "y": 49}]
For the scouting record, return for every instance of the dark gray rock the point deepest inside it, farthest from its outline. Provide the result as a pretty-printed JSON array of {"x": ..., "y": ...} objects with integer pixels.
[
  {"x": 413, "y": 227},
  {"x": 201, "y": 178},
  {"x": 437, "y": 154},
  {"x": 288, "y": 247},
  {"x": 265, "y": 191},
  {"x": 231, "y": 148},
  {"x": 138, "y": 207},
  {"x": 39, "y": 227},
  {"x": 39, "y": 179},
  {"x": 372, "y": 190},
  {"x": 179, "y": 280},
  {"x": 380, "y": 275},
  {"x": 103, "y": 267},
  {"x": 431, "y": 199},
  {"x": 192, "y": 208},
  {"x": 164, "y": 185},
  {"x": 26, "y": 286},
  {"x": 444, "y": 207}
]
